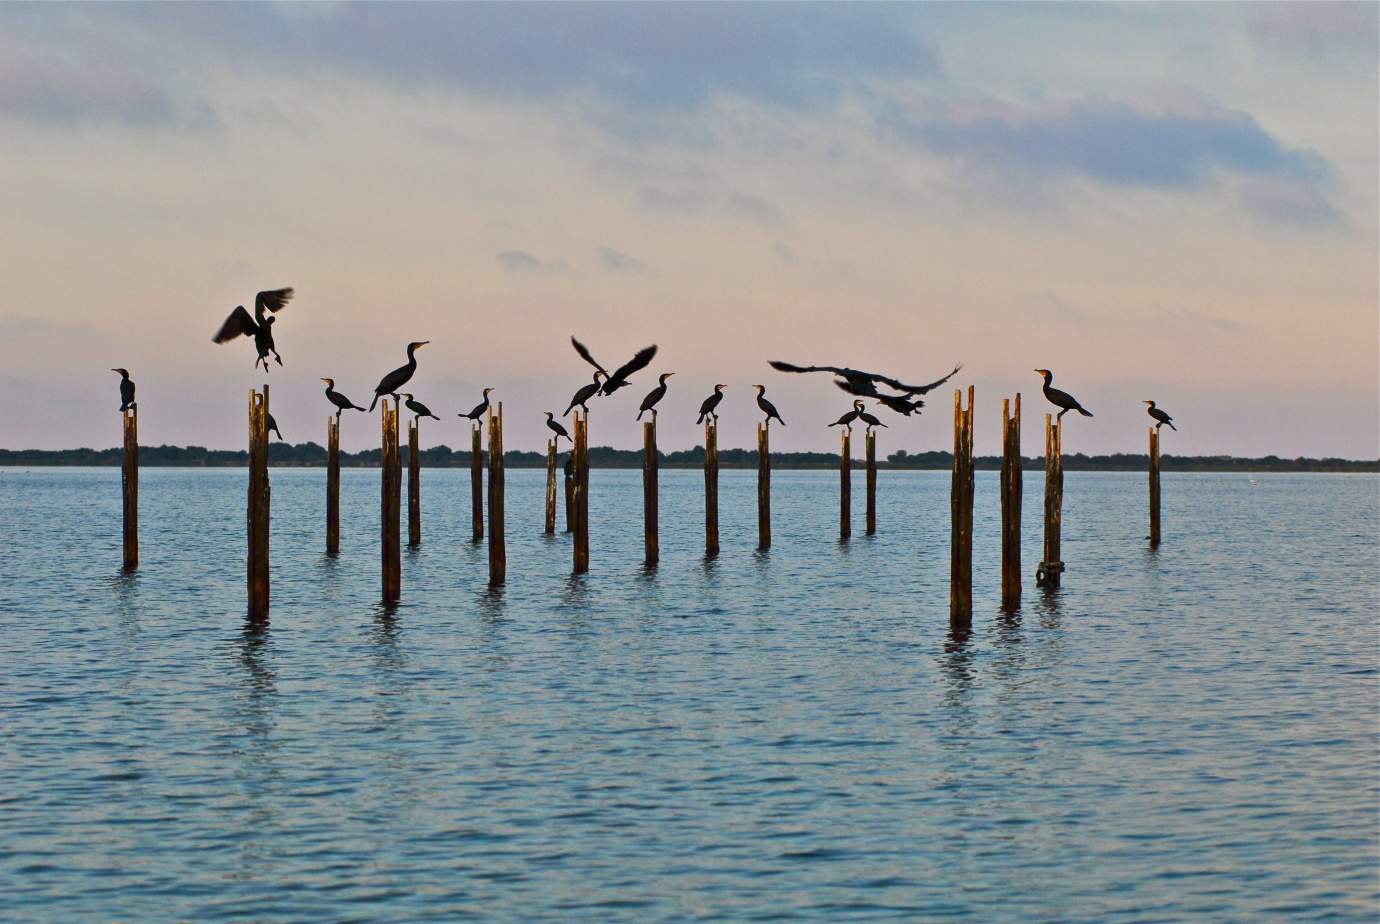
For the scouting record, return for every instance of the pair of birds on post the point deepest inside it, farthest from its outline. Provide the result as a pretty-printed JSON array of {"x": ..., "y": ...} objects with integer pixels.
[
  {"x": 710, "y": 405},
  {"x": 858, "y": 414}
]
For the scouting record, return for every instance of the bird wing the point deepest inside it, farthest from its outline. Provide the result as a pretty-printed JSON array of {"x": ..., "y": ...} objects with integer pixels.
[
  {"x": 861, "y": 389},
  {"x": 238, "y": 323},
  {"x": 780, "y": 366},
  {"x": 271, "y": 300},
  {"x": 918, "y": 389},
  {"x": 587, "y": 356},
  {"x": 639, "y": 361}
]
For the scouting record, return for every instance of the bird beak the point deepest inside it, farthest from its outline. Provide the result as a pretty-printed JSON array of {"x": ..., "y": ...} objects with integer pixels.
[{"x": 669, "y": 374}]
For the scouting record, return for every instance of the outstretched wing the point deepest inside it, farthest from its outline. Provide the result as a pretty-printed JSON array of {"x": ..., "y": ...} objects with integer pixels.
[
  {"x": 919, "y": 389},
  {"x": 780, "y": 366},
  {"x": 863, "y": 388},
  {"x": 586, "y": 355},
  {"x": 271, "y": 300},
  {"x": 639, "y": 361},
  {"x": 238, "y": 323}
]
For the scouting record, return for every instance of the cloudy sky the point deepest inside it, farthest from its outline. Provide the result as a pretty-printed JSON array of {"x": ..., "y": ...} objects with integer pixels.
[{"x": 1156, "y": 201}]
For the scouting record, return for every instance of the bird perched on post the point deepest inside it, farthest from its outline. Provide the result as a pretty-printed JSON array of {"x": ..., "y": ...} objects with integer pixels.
[
  {"x": 480, "y": 409},
  {"x": 869, "y": 419},
  {"x": 259, "y": 325},
  {"x": 126, "y": 389},
  {"x": 584, "y": 393},
  {"x": 272, "y": 427},
  {"x": 649, "y": 403},
  {"x": 619, "y": 378},
  {"x": 1161, "y": 418},
  {"x": 556, "y": 428},
  {"x": 708, "y": 406},
  {"x": 767, "y": 407},
  {"x": 417, "y": 407},
  {"x": 341, "y": 402},
  {"x": 400, "y": 376},
  {"x": 1061, "y": 399},
  {"x": 847, "y": 419}
]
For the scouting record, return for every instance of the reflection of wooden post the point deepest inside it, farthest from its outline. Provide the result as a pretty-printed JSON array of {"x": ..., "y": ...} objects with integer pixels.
[
  {"x": 476, "y": 484},
  {"x": 569, "y": 470},
  {"x": 414, "y": 484},
  {"x": 581, "y": 494},
  {"x": 961, "y": 516},
  {"x": 390, "y": 514},
  {"x": 1051, "y": 567},
  {"x": 258, "y": 512},
  {"x": 332, "y": 485},
  {"x": 1154, "y": 486},
  {"x": 845, "y": 484},
  {"x": 650, "y": 541},
  {"x": 763, "y": 487},
  {"x": 550, "y": 487},
  {"x": 129, "y": 486},
  {"x": 870, "y": 440},
  {"x": 1011, "y": 504},
  {"x": 498, "y": 553},
  {"x": 711, "y": 487}
]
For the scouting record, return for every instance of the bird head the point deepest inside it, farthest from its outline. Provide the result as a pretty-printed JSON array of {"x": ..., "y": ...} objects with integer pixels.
[
  {"x": 665, "y": 376},
  {"x": 486, "y": 392},
  {"x": 330, "y": 383},
  {"x": 406, "y": 394},
  {"x": 598, "y": 374},
  {"x": 1045, "y": 372},
  {"x": 720, "y": 387},
  {"x": 123, "y": 372},
  {"x": 1149, "y": 402},
  {"x": 761, "y": 389},
  {"x": 549, "y": 415},
  {"x": 417, "y": 345}
]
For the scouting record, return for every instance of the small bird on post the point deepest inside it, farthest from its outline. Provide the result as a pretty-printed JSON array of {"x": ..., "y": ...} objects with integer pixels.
[
  {"x": 126, "y": 390},
  {"x": 416, "y": 407},
  {"x": 766, "y": 406},
  {"x": 708, "y": 406},
  {"x": 869, "y": 419},
  {"x": 341, "y": 402},
  {"x": 1061, "y": 399},
  {"x": 272, "y": 427},
  {"x": 1161, "y": 418},
  {"x": 400, "y": 376},
  {"x": 654, "y": 396},
  {"x": 556, "y": 428},
  {"x": 584, "y": 394},
  {"x": 847, "y": 419},
  {"x": 480, "y": 409},
  {"x": 259, "y": 325}
]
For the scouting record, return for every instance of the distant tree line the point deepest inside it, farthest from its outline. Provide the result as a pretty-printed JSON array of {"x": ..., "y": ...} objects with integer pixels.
[{"x": 313, "y": 454}]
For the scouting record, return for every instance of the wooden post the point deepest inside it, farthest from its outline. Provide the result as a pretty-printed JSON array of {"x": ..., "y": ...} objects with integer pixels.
[
  {"x": 763, "y": 487},
  {"x": 870, "y": 441},
  {"x": 711, "y": 487},
  {"x": 569, "y": 470},
  {"x": 332, "y": 485},
  {"x": 129, "y": 486},
  {"x": 1051, "y": 567},
  {"x": 476, "y": 484},
  {"x": 1011, "y": 504},
  {"x": 414, "y": 484},
  {"x": 390, "y": 514},
  {"x": 498, "y": 554},
  {"x": 961, "y": 517},
  {"x": 550, "y": 487},
  {"x": 650, "y": 541},
  {"x": 1154, "y": 486},
  {"x": 258, "y": 506},
  {"x": 581, "y": 494},
  {"x": 845, "y": 484}
]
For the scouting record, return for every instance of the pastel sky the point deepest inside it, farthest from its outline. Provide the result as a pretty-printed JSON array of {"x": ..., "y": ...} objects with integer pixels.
[{"x": 1170, "y": 201}]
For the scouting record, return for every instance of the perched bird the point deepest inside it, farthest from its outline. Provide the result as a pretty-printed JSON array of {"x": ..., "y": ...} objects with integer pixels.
[
  {"x": 864, "y": 384},
  {"x": 417, "y": 407},
  {"x": 869, "y": 419},
  {"x": 556, "y": 428},
  {"x": 480, "y": 409},
  {"x": 1061, "y": 399},
  {"x": 656, "y": 394},
  {"x": 400, "y": 376},
  {"x": 1160, "y": 416},
  {"x": 341, "y": 402},
  {"x": 767, "y": 407},
  {"x": 847, "y": 419},
  {"x": 273, "y": 427},
  {"x": 709, "y": 404},
  {"x": 259, "y": 326},
  {"x": 619, "y": 378},
  {"x": 585, "y": 393},
  {"x": 126, "y": 389}
]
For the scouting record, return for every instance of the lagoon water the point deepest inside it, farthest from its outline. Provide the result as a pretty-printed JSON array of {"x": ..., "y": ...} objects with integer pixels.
[{"x": 1184, "y": 734}]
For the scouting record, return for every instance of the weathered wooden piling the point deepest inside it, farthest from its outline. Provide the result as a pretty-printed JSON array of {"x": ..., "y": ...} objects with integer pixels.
[
  {"x": 763, "y": 487},
  {"x": 651, "y": 544},
  {"x": 711, "y": 487},
  {"x": 332, "y": 485},
  {"x": 550, "y": 487},
  {"x": 258, "y": 505},
  {"x": 1154, "y": 486},
  {"x": 390, "y": 514},
  {"x": 961, "y": 516},
  {"x": 414, "y": 484},
  {"x": 569, "y": 469},
  {"x": 129, "y": 486},
  {"x": 870, "y": 441},
  {"x": 845, "y": 484},
  {"x": 1051, "y": 567},
  {"x": 476, "y": 484},
  {"x": 498, "y": 554},
  {"x": 581, "y": 494},
  {"x": 1011, "y": 503}
]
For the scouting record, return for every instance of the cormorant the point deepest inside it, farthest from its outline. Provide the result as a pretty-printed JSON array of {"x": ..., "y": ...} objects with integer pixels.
[
  {"x": 897, "y": 403},
  {"x": 870, "y": 420},
  {"x": 767, "y": 407},
  {"x": 341, "y": 402},
  {"x": 399, "y": 377},
  {"x": 656, "y": 394},
  {"x": 418, "y": 408},
  {"x": 1061, "y": 399},
  {"x": 556, "y": 428},
  {"x": 585, "y": 393},
  {"x": 847, "y": 419},
  {"x": 479, "y": 409},
  {"x": 619, "y": 378},
  {"x": 864, "y": 384},
  {"x": 1160, "y": 416},
  {"x": 273, "y": 428},
  {"x": 126, "y": 389},
  {"x": 709, "y": 404},
  {"x": 259, "y": 326}
]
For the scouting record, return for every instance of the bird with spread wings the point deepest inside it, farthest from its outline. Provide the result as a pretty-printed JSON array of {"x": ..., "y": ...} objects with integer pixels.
[
  {"x": 864, "y": 384},
  {"x": 259, "y": 325},
  {"x": 619, "y": 377}
]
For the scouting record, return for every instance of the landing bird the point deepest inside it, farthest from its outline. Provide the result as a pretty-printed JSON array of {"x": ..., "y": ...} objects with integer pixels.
[
  {"x": 417, "y": 407},
  {"x": 1061, "y": 399},
  {"x": 584, "y": 394},
  {"x": 649, "y": 403},
  {"x": 864, "y": 384},
  {"x": 272, "y": 427},
  {"x": 556, "y": 428},
  {"x": 709, "y": 404},
  {"x": 480, "y": 409},
  {"x": 767, "y": 407},
  {"x": 619, "y": 378},
  {"x": 847, "y": 419},
  {"x": 341, "y": 402},
  {"x": 870, "y": 420},
  {"x": 1160, "y": 416},
  {"x": 126, "y": 389},
  {"x": 259, "y": 326},
  {"x": 896, "y": 403},
  {"x": 400, "y": 376}
]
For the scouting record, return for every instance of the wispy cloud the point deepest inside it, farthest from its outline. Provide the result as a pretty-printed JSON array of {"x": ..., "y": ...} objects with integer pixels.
[
  {"x": 520, "y": 261},
  {"x": 618, "y": 261}
]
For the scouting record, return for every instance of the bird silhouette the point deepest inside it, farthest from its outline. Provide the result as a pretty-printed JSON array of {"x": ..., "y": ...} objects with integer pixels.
[
  {"x": 654, "y": 396},
  {"x": 417, "y": 407},
  {"x": 847, "y": 419},
  {"x": 619, "y": 377},
  {"x": 1161, "y": 418},
  {"x": 1061, "y": 399},
  {"x": 259, "y": 325},
  {"x": 555, "y": 427},
  {"x": 400, "y": 376},
  {"x": 584, "y": 393},
  {"x": 767, "y": 407},
  {"x": 341, "y": 402},
  {"x": 480, "y": 409},
  {"x": 709, "y": 405},
  {"x": 126, "y": 389}
]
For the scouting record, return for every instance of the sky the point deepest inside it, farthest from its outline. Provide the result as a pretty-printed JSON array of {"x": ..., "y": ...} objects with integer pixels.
[{"x": 1174, "y": 201}]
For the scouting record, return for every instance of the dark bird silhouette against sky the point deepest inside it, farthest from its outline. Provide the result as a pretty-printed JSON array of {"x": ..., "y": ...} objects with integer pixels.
[
  {"x": 400, "y": 376},
  {"x": 767, "y": 407},
  {"x": 259, "y": 325},
  {"x": 1061, "y": 399},
  {"x": 1161, "y": 418},
  {"x": 341, "y": 402},
  {"x": 126, "y": 389},
  {"x": 654, "y": 396},
  {"x": 480, "y": 409},
  {"x": 709, "y": 407},
  {"x": 619, "y": 377}
]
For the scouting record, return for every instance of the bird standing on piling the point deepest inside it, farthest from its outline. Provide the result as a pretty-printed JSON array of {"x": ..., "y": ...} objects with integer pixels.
[
  {"x": 870, "y": 420},
  {"x": 585, "y": 393},
  {"x": 417, "y": 407},
  {"x": 480, "y": 409},
  {"x": 767, "y": 407},
  {"x": 272, "y": 427},
  {"x": 847, "y": 419},
  {"x": 1161, "y": 418},
  {"x": 400, "y": 376},
  {"x": 619, "y": 378},
  {"x": 556, "y": 428},
  {"x": 1061, "y": 399},
  {"x": 707, "y": 407},
  {"x": 341, "y": 402},
  {"x": 654, "y": 396},
  {"x": 126, "y": 390},
  {"x": 259, "y": 325}
]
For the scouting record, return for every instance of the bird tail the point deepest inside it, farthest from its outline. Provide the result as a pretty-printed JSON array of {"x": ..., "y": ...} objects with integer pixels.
[
  {"x": 1085, "y": 412},
  {"x": 700, "y": 420},
  {"x": 356, "y": 407},
  {"x": 1172, "y": 427},
  {"x": 639, "y": 414},
  {"x": 374, "y": 402}
]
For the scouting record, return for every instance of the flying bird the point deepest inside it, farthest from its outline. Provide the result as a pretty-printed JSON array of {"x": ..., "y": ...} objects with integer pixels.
[
  {"x": 584, "y": 393},
  {"x": 400, "y": 376},
  {"x": 480, "y": 409},
  {"x": 341, "y": 402},
  {"x": 126, "y": 389},
  {"x": 619, "y": 378},
  {"x": 555, "y": 427},
  {"x": 1061, "y": 399},
  {"x": 900, "y": 404},
  {"x": 649, "y": 403},
  {"x": 847, "y": 419},
  {"x": 259, "y": 325},
  {"x": 1160, "y": 416},
  {"x": 864, "y": 384},
  {"x": 417, "y": 407},
  {"x": 767, "y": 407},
  {"x": 707, "y": 407}
]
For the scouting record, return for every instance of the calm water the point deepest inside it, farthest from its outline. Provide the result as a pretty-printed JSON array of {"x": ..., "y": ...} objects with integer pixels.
[{"x": 1189, "y": 734}]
